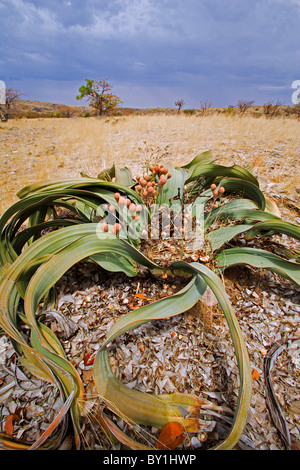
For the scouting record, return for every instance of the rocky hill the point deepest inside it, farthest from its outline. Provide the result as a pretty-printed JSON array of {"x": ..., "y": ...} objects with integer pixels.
[{"x": 31, "y": 109}]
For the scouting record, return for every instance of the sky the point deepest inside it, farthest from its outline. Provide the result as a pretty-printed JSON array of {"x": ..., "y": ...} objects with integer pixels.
[{"x": 152, "y": 52}]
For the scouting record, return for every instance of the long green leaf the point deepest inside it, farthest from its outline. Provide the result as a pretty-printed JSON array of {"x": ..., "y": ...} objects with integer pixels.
[
  {"x": 238, "y": 209},
  {"x": 212, "y": 171},
  {"x": 88, "y": 184},
  {"x": 111, "y": 389},
  {"x": 218, "y": 237},
  {"x": 51, "y": 271},
  {"x": 274, "y": 226},
  {"x": 174, "y": 186},
  {"x": 222, "y": 235},
  {"x": 41, "y": 248},
  {"x": 142, "y": 408},
  {"x": 203, "y": 158},
  {"x": 259, "y": 259},
  {"x": 22, "y": 237},
  {"x": 245, "y": 188},
  {"x": 244, "y": 397},
  {"x": 166, "y": 307},
  {"x": 115, "y": 263}
]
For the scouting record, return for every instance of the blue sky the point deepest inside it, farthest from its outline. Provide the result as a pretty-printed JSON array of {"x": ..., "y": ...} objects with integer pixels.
[{"x": 152, "y": 51}]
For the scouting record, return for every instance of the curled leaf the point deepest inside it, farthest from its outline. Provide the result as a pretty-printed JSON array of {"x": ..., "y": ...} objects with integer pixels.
[{"x": 170, "y": 437}]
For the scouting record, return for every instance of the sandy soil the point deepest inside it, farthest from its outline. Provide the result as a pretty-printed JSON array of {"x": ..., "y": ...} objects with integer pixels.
[
  {"x": 41, "y": 149},
  {"x": 267, "y": 306}
]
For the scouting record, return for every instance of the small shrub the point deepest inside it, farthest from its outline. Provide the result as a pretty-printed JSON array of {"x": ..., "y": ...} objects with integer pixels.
[
  {"x": 179, "y": 103},
  {"x": 243, "y": 105},
  {"x": 272, "y": 110},
  {"x": 229, "y": 111},
  {"x": 204, "y": 106},
  {"x": 293, "y": 110},
  {"x": 189, "y": 112}
]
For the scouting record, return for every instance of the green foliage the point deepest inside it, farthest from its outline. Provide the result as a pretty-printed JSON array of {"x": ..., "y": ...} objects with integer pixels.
[
  {"x": 189, "y": 112},
  {"x": 229, "y": 111},
  {"x": 99, "y": 96},
  {"x": 231, "y": 204}
]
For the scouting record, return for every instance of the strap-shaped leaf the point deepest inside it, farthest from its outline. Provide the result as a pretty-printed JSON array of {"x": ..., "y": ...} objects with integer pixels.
[
  {"x": 51, "y": 271},
  {"x": 122, "y": 399},
  {"x": 245, "y": 188},
  {"x": 174, "y": 186},
  {"x": 90, "y": 184},
  {"x": 203, "y": 158},
  {"x": 238, "y": 209},
  {"x": 213, "y": 170},
  {"x": 259, "y": 259},
  {"x": 222, "y": 235},
  {"x": 274, "y": 226},
  {"x": 164, "y": 308},
  {"x": 215, "y": 283},
  {"x": 142, "y": 408}
]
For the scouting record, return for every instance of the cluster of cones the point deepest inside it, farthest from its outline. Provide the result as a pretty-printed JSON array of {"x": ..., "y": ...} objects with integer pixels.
[
  {"x": 150, "y": 184},
  {"x": 216, "y": 193},
  {"x": 134, "y": 209}
]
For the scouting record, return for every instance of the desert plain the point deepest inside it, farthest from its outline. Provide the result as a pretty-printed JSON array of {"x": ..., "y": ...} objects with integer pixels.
[
  {"x": 194, "y": 349},
  {"x": 41, "y": 149}
]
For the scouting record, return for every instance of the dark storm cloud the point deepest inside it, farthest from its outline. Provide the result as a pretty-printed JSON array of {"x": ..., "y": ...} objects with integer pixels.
[{"x": 198, "y": 49}]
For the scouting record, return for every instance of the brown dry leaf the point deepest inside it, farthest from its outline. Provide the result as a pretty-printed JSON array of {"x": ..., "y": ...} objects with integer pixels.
[
  {"x": 295, "y": 407},
  {"x": 89, "y": 359},
  {"x": 9, "y": 426},
  {"x": 87, "y": 376},
  {"x": 171, "y": 436},
  {"x": 140, "y": 296}
]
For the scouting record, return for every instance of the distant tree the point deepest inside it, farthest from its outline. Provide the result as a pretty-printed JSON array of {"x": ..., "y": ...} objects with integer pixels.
[
  {"x": 179, "y": 104},
  {"x": 12, "y": 96},
  {"x": 243, "y": 105},
  {"x": 99, "y": 96},
  {"x": 204, "y": 106}
]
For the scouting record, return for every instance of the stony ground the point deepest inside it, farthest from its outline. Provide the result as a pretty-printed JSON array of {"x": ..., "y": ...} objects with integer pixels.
[{"x": 190, "y": 353}]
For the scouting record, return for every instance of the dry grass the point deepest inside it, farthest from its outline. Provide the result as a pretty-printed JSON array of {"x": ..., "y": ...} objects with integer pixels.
[{"x": 42, "y": 149}]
